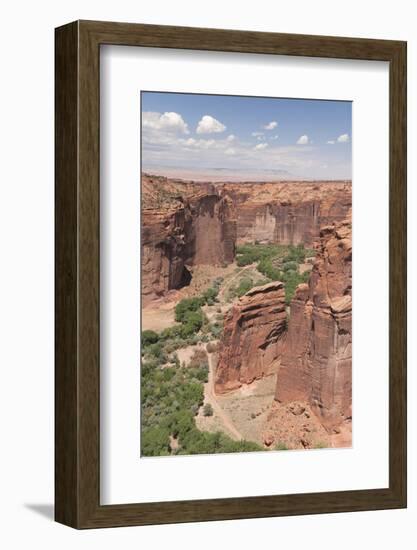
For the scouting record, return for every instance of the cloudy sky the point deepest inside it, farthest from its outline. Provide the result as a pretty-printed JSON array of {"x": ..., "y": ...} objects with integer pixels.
[{"x": 246, "y": 137}]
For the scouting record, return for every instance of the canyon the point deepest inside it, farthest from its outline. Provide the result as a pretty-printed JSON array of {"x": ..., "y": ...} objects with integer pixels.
[
  {"x": 187, "y": 223},
  {"x": 302, "y": 346},
  {"x": 312, "y": 356}
]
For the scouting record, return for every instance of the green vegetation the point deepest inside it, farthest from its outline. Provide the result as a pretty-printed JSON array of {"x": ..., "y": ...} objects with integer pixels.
[
  {"x": 251, "y": 253},
  {"x": 149, "y": 337},
  {"x": 277, "y": 263},
  {"x": 188, "y": 312},
  {"x": 171, "y": 397},
  {"x": 280, "y": 447},
  {"x": 244, "y": 286}
]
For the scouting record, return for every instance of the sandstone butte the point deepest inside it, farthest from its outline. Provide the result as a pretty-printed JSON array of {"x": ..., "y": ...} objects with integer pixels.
[
  {"x": 252, "y": 338},
  {"x": 316, "y": 364},
  {"x": 187, "y": 223}
]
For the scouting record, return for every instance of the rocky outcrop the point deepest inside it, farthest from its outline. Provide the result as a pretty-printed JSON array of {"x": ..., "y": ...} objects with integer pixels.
[
  {"x": 294, "y": 426},
  {"x": 252, "y": 338},
  {"x": 287, "y": 212},
  {"x": 182, "y": 226},
  {"x": 316, "y": 365}
]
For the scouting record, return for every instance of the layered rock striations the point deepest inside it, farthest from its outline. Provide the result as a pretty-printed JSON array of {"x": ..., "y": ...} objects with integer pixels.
[
  {"x": 316, "y": 365},
  {"x": 252, "y": 338},
  {"x": 287, "y": 212},
  {"x": 182, "y": 225}
]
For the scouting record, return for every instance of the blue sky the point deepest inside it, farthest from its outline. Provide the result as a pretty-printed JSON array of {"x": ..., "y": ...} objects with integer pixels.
[{"x": 248, "y": 136}]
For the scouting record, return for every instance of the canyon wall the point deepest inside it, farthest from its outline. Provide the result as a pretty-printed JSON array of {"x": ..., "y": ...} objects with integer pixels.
[
  {"x": 252, "y": 338},
  {"x": 316, "y": 365},
  {"x": 287, "y": 212},
  {"x": 198, "y": 230},
  {"x": 187, "y": 223}
]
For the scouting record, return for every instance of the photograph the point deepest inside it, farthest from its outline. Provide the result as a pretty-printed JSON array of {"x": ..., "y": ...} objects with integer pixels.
[{"x": 246, "y": 274}]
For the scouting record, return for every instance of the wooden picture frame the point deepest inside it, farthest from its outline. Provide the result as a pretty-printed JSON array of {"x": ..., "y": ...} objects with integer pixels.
[{"x": 77, "y": 382}]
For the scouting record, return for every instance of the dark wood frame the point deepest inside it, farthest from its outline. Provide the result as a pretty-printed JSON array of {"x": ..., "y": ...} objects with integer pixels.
[{"x": 77, "y": 274}]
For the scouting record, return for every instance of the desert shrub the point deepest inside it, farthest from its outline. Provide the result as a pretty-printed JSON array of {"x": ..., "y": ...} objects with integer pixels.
[
  {"x": 155, "y": 349},
  {"x": 216, "y": 329},
  {"x": 244, "y": 286},
  {"x": 149, "y": 337},
  {"x": 280, "y": 446},
  {"x": 289, "y": 266},
  {"x": 186, "y": 306},
  {"x": 170, "y": 333},
  {"x": 210, "y": 295},
  {"x": 193, "y": 320},
  {"x": 168, "y": 374},
  {"x": 266, "y": 268},
  {"x": 208, "y": 410},
  {"x": 155, "y": 441}
]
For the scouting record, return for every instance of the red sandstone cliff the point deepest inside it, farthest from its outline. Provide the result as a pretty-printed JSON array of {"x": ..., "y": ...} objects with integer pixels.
[
  {"x": 186, "y": 223},
  {"x": 182, "y": 225},
  {"x": 252, "y": 337},
  {"x": 316, "y": 366},
  {"x": 287, "y": 212}
]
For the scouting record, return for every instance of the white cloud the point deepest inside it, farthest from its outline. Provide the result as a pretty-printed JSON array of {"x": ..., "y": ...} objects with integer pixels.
[
  {"x": 169, "y": 121},
  {"x": 303, "y": 140},
  {"x": 198, "y": 143},
  {"x": 271, "y": 125},
  {"x": 257, "y": 134},
  {"x": 344, "y": 138},
  {"x": 230, "y": 151},
  {"x": 331, "y": 142},
  {"x": 210, "y": 125},
  {"x": 231, "y": 137},
  {"x": 260, "y": 146},
  {"x": 275, "y": 137}
]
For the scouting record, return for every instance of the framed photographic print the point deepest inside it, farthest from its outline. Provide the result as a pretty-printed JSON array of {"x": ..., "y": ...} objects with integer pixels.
[{"x": 230, "y": 274}]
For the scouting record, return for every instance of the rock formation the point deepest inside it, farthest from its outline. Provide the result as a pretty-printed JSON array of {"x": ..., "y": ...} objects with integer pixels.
[
  {"x": 287, "y": 212},
  {"x": 187, "y": 223},
  {"x": 316, "y": 365},
  {"x": 182, "y": 225},
  {"x": 252, "y": 338}
]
